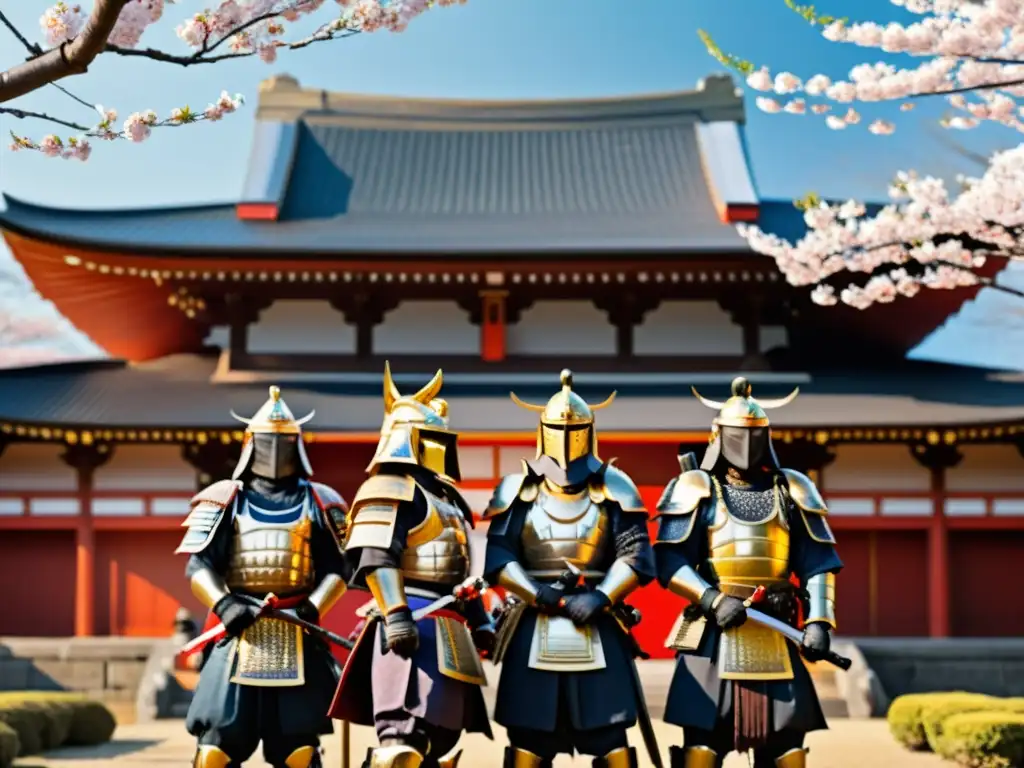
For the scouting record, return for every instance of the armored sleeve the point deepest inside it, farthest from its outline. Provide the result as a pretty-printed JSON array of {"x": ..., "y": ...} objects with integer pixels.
[
  {"x": 505, "y": 519},
  {"x": 813, "y": 556},
  {"x": 207, "y": 511},
  {"x": 679, "y": 548},
  {"x": 629, "y": 524},
  {"x": 329, "y": 533},
  {"x": 384, "y": 510}
]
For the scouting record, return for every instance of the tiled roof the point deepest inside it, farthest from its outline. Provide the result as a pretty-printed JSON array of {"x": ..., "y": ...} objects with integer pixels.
[
  {"x": 358, "y": 174},
  {"x": 177, "y": 392}
]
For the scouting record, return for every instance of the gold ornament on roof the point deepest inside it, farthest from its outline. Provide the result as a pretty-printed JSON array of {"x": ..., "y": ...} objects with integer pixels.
[
  {"x": 742, "y": 410},
  {"x": 274, "y": 418}
]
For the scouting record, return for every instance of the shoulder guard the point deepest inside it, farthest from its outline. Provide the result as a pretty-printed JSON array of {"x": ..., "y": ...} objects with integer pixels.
[
  {"x": 679, "y": 505},
  {"x": 334, "y": 508},
  {"x": 813, "y": 510},
  {"x": 371, "y": 522},
  {"x": 511, "y": 487},
  {"x": 615, "y": 485},
  {"x": 205, "y": 516}
]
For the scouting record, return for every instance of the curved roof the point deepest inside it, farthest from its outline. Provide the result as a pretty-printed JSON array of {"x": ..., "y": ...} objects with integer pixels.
[
  {"x": 177, "y": 393},
  {"x": 341, "y": 173}
]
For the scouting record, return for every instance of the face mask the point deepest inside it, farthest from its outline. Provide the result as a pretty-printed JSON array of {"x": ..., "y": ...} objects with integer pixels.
[
  {"x": 275, "y": 457},
  {"x": 743, "y": 447}
]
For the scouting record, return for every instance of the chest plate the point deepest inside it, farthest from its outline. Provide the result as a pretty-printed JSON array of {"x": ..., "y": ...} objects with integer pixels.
[
  {"x": 437, "y": 550},
  {"x": 748, "y": 542},
  {"x": 271, "y": 549},
  {"x": 560, "y": 528}
]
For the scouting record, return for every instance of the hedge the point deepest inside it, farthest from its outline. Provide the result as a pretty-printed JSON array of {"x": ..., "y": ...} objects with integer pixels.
[
  {"x": 38, "y": 721},
  {"x": 906, "y": 714},
  {"x": 985, "y": 739},
  {"x": 935, "y": 718}
]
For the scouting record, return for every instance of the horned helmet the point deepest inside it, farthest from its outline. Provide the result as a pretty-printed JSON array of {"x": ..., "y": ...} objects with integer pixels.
[
  {"x": 741, "y": 433},
  {"x": 272, "y": 446},
  {"x": 566, "y": 431},
  {"x": 415, "y": 430}
]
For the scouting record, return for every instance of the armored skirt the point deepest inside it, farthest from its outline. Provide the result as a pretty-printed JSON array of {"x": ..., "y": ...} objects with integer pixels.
[
  {"x": 548, "y": 701},
  {"x": 699, "y": 698},
  {"x": 379, "y": 687},
  {"x": 225, "y": 706}
]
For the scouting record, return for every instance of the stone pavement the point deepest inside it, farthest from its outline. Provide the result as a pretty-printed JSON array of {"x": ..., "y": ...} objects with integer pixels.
[{"x": 849, "y": 744}]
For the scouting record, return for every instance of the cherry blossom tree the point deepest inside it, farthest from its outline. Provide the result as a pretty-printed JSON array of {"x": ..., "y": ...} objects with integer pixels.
[
  {"x": 971, "y": 53},
  {"x": 233, "y": 29}
]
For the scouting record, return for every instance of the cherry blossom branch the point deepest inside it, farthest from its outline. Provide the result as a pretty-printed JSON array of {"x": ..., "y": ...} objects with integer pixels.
[
  {"x": 70, "y": 58},
  {"x": 137, "y": 128},
  {"x": 927, "y": 240},
  {"x": 22, "y": 114}
]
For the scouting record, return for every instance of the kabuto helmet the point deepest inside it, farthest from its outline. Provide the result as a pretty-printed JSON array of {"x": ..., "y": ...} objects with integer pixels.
[
  {"x": 741, "y": 433},
  {"x": 273, "y": 446}
]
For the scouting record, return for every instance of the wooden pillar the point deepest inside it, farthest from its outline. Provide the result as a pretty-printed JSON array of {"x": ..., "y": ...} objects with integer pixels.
[
  {"x": 937, "y": 459},
  {"x": 626, "y": 311},
  {"x": 241, "y": 311},
  {"x": 212, "y": 461},
  {"x": 365, "y": 311},
  {"x": 492, "y": 326},
  {"x": 747, "y": 311},
  {"x": 85, "y": 458}
]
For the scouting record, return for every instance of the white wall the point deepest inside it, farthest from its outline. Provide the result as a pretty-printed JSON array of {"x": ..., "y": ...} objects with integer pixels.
[
  {"x": 146, "y": 468},
  {"x": 561, "y": 328},
  {"x": 987, "y": 468},
  {"x": 36, "y": 467},
  {"x": 301, "y": 327},
  {"x": 426, "y": 328},
  {"x": 697, "y": 328},
  {"x": 871, "y": 468}
]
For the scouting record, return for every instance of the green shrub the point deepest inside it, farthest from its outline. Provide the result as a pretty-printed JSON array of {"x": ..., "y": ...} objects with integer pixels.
[
  {"x": 8, "y": 746},
  {"x": 985, "y": 739},
  {"x": 45, "y": 720},
  {"x": 906, "y": 712},
  {"x": 91, "y": 723},
  {"x": 933, "y": 716}
]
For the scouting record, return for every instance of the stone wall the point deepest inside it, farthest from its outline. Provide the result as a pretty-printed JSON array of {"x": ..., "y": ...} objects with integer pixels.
[
  {"x": 108, "y": 669},
  {"x": 922, "y": 665}
]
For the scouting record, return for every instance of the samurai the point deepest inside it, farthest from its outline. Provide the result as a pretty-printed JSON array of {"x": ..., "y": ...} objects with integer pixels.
[
  {"x": 267, "y": 531},
  {"x": 737, "y": 531}
]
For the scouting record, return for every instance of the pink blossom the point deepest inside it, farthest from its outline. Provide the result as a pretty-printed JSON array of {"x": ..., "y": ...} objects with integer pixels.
[
  {"x": 62, "y": 22},
  {"x": 760, "y": 80},
  {"x": 768, "y": 105},
  {"x": 51, "y": 146}
]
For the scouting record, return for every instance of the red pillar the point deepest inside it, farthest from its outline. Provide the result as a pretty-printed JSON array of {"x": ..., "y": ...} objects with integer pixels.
[
  {"x": 86, "y": 459},
  {"x": 492, "y": 326},
  {"x": 937, "y": 459}
]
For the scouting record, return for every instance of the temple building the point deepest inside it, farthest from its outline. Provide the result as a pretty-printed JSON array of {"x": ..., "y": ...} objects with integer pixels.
[{"x": 502, "y": 242}]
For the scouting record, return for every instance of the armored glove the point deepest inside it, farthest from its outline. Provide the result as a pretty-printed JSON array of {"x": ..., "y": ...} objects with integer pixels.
[
  {"x": 548, "y": 598},
  {"x": 236, "y": 613},
  {"x": 817, "y": 641},
  {"x": 584, "y": 607},
  {"x": 307, "y": 612},
  {"x": 400, "y": 633},
  {"x": 728, "y": 613}
]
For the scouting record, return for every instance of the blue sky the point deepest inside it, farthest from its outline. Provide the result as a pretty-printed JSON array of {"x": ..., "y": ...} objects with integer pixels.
[{"x": 502, "y": 49}]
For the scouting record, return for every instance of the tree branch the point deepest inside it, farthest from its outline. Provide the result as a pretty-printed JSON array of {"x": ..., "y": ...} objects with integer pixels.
[
  {"x": 22, "y": 114},
  {"x": 32, "y": 48},
  {"x": 201, "y": 57},
  {"x": 70, "y": 58}
]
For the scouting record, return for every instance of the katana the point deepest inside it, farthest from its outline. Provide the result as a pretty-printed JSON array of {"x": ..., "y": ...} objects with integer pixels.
[
  {"x": 464, "y": 591},
  {"x": 268, "y": 610},
  {"x": 794, "y": 635}
]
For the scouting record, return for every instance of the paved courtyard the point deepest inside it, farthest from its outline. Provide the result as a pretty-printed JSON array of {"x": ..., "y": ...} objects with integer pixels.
[{"x": 849, "y": 744}]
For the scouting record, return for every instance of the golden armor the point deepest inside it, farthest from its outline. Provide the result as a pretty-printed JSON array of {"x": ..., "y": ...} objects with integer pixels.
[
  {"x": 566, "y": 431},
  {"x": 748, "y": 546},
  {"x": 565, "y": 525},
  {"x": 436, "y": 557},
  {"x": 700, "y": 757},
  {"x": 415, "y": 430},
  {"x": 211, "y": 757},
  {"x": 795, "y": 758},
  {"x": 270, "y": 553}
]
